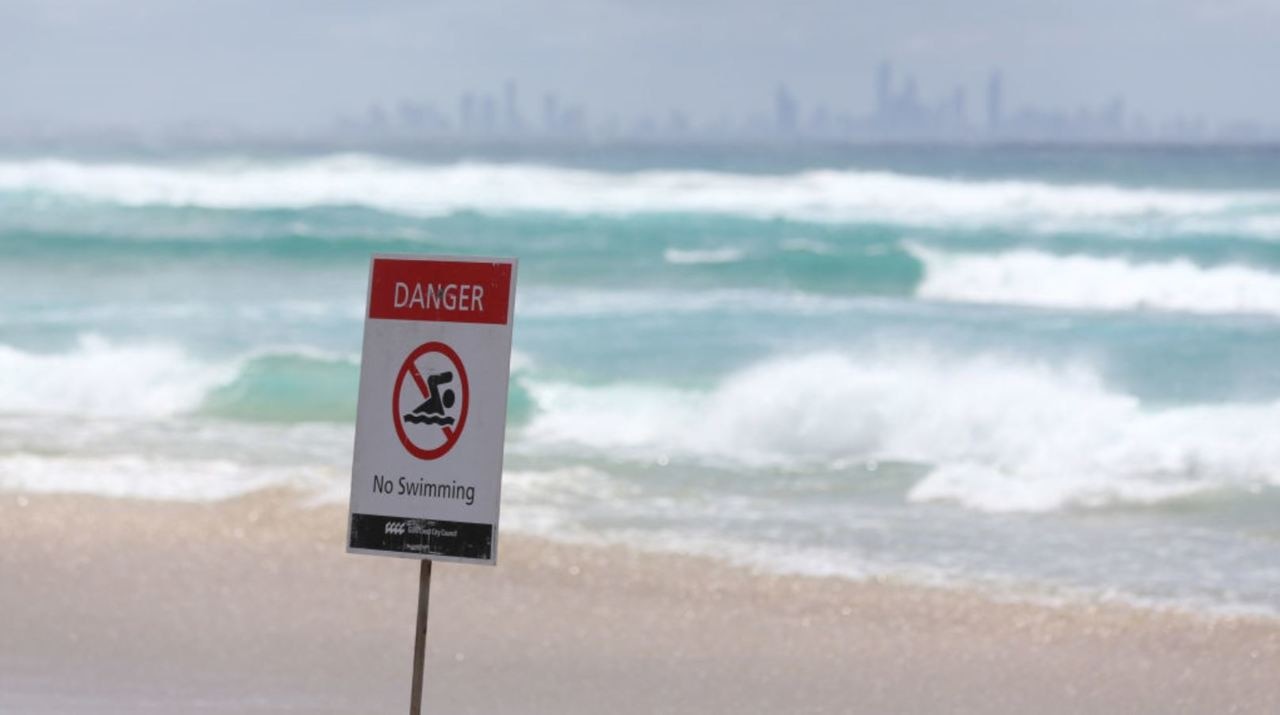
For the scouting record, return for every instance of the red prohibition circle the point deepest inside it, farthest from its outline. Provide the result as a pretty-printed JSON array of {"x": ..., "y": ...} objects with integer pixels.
[{"x": 451, "y": 435}]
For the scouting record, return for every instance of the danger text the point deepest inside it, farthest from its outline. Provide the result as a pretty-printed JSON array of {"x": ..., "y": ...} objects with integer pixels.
[{"x": 447, "y": 296}]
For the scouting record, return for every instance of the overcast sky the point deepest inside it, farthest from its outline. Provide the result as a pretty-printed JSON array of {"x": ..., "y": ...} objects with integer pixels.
[{"x": 294, "y": 63}]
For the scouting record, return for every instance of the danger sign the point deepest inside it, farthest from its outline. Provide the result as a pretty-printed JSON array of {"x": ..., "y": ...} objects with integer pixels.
[{"x": 427, "y": 465}]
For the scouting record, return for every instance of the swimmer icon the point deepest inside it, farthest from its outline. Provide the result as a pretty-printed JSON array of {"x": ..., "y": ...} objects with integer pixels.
[
  {"x": 428, "y": 379},
  {"x": 432, "y": 410}
]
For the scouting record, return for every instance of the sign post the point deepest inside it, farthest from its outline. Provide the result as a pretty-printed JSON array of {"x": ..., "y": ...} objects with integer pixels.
[
  {"x": 420, "y": 637},
  {"x": 426, "y": 471}
]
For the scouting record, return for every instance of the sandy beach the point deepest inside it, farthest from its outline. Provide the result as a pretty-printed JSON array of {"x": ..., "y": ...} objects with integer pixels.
[{"x": 252, "y": 606}]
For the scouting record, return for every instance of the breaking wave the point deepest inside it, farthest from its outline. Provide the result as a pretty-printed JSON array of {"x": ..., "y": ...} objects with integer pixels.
[
  {"x": 104, "y": 379},
  {"x": 816, "y": 195},
  {"x": 1035, "y": 278},
  {"x": 996, "y": 434},
  {"x": 99, "y": 378},
  {"x": 993, "y": 433}
]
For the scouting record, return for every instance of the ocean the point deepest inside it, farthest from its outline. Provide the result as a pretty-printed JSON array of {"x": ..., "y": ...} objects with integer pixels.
[{"x": 1050, "y": 373}]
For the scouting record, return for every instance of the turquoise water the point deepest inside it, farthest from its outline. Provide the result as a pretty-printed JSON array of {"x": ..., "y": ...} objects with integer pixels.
[{"x": 1050, "y": 372}]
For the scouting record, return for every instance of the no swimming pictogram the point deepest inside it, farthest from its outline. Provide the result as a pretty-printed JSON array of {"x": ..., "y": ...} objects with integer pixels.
[{"x": 430, "y": 400}]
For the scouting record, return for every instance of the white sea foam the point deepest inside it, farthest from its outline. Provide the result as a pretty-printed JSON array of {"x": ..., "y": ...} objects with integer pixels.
[
  {"x": 145, "y": 477},
  {"x": 550, "y": 502},
  {"x": 1000, "y": 434},
  {"x": 538, "y": 302},
  {"x": 104, "y": 379},
  {"x": 99, "y": 378},
  {"x": 521, "y": 361},
  {"x": 1035, "y": 278},
  {"x": 817, "y": 195},
  {"x": 677, "y": 256}
]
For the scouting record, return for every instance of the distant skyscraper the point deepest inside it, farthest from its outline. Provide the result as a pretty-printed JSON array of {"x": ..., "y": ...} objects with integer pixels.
[
  {"x": 376, "y": 118},
  {"x": 785, "y": 110},
  {"x": 550, "y": 113},
  {"x": 884, "y": 88},
  {"x": 959, "y": 105},
  {"x": 511, "y": 107},
  {"x": 911, "y": 95},
  {"x": 995, "y": 100},
  {"x": 411, "y": 115},
  {"x": 1113, "y": 116},
  {"x": 488, "y": 113},
  {"x": 467, "y": 112}
]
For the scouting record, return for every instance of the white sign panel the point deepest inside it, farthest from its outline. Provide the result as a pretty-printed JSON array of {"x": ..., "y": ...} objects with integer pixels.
[{"x": 426, "y": 476}]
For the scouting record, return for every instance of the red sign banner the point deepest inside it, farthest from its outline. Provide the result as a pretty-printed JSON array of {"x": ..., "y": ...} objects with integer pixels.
[{"x": 448, "y": 291}]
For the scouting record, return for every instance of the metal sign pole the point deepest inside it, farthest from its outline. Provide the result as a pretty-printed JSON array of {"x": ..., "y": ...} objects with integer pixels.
[{"x": 420, "y": 637}]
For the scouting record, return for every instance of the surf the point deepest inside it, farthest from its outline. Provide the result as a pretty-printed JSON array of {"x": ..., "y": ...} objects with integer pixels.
[
  {"x": 816, "y": 195},
  {"x": 1029, "y": 277},
  {"x": 994, "y": 433}
]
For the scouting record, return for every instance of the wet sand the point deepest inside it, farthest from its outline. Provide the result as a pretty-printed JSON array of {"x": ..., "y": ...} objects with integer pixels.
[{"x": 251, "y": 606}]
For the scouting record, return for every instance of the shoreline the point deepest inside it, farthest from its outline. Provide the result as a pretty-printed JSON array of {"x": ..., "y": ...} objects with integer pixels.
[
  {"x": 252, "y": 605},
  {"x": 1012, "y": 591}
]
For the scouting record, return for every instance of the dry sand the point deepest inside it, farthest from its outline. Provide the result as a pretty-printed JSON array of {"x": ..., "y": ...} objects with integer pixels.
[{"x": 252, "y": 606}]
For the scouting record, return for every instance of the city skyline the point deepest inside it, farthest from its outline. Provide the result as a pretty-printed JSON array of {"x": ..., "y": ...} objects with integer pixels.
[
  {"x": 985, "y": 110},
  {"x": 900, "y": 111}
]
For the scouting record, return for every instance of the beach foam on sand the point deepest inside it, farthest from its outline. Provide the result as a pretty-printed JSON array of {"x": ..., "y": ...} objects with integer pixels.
[{"x": 252, "y": 606}]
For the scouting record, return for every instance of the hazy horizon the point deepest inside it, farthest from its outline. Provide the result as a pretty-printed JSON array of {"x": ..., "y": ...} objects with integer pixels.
[{"x": 295, "y": 66}]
